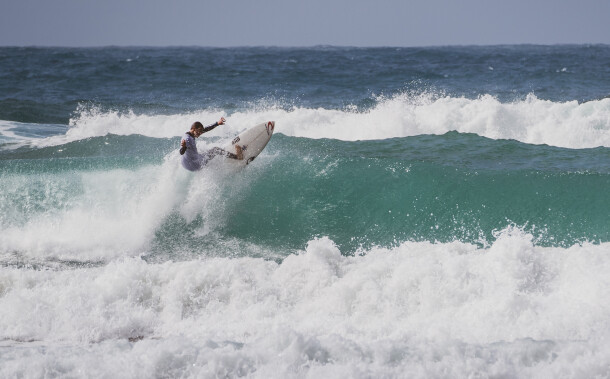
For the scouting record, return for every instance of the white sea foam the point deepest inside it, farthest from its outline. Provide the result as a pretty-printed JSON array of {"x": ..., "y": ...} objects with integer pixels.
[
  {"x": 417, "y": 310},
  {"x": 535, "y": 121},
  {"x": 532, "y": 120},
  {"x": 91, "y": 215}
]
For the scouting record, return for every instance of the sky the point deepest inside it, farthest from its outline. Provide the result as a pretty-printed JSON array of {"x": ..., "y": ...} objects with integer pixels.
[{"x": 302, "y": 23}]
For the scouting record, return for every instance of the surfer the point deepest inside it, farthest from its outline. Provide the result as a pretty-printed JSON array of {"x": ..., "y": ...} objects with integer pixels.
[{"x": 191, "y": 159}]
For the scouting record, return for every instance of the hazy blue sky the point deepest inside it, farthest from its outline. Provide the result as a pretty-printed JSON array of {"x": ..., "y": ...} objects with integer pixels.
[{"x": 302, "y": 23}]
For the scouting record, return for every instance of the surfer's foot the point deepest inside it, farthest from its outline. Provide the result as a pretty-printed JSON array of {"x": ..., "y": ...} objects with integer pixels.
[{"x": 239, "y": 153}]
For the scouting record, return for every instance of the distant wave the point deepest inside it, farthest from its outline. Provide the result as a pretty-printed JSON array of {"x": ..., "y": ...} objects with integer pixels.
[{"x": 532, "y": 120}]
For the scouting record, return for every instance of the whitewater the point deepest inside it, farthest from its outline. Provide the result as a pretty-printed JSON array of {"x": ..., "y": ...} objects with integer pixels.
[{"x": 417, "y": 310}]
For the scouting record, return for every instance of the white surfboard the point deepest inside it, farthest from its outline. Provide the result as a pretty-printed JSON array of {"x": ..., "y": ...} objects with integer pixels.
[{"x": 252, "y": 142}]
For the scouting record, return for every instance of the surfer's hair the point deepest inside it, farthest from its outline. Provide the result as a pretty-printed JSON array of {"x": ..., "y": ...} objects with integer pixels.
[{"x": 197, "y": 125}]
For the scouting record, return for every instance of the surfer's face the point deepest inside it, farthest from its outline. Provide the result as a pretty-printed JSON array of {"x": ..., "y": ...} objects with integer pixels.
[{"x": 197, "y": 132}]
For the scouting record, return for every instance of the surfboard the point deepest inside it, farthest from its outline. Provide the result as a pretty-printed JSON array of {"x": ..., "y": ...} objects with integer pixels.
[{"x": 252, "y": 142}]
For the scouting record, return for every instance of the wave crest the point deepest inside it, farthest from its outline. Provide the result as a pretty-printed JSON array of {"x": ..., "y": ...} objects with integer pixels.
[{"x": 531, "y": 120}]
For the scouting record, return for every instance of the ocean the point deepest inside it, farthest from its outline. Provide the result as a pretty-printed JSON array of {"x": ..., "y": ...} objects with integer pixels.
[{"x": 438, "y": 212}]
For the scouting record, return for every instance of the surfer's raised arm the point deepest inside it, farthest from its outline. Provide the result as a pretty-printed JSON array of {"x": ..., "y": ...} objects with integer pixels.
[{"x": 210, "y": 127}]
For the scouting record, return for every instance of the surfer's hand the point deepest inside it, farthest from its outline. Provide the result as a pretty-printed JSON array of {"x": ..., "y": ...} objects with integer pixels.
[
  {"x": 183, "y": 143},
  {"x": 221, "y": 121}
]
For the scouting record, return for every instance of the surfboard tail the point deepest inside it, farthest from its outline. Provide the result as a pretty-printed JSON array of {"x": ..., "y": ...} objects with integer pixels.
[{"x": 270, "y": 127}]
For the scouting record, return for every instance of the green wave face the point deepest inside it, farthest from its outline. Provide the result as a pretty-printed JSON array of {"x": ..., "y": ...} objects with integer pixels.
[
  {"x": 425, "y": 188},
  {"x": 360, "y": 194}
]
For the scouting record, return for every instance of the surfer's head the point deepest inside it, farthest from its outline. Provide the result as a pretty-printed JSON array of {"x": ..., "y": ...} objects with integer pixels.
[{"x": 197, "y": 128}]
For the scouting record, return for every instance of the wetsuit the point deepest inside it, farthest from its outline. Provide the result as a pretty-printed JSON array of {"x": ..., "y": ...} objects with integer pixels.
[{"x": 191, "y": 159}]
